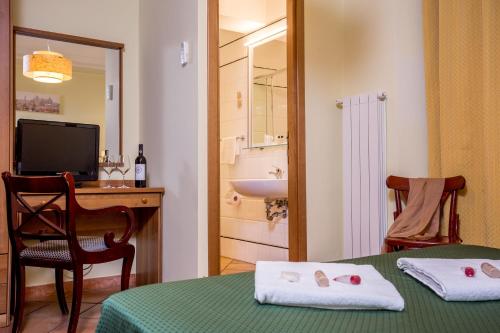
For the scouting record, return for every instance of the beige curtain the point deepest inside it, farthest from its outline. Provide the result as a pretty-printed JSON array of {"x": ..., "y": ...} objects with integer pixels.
[{"x": 462, "y": 61}]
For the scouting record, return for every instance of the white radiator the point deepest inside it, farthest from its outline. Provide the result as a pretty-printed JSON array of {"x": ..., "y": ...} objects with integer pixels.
[{"x": 364, "y": 173}]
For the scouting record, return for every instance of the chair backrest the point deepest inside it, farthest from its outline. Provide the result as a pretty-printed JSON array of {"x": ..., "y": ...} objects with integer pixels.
[
  {"x": 452, "y": 185},
  {"x": 22, "y": 215}
]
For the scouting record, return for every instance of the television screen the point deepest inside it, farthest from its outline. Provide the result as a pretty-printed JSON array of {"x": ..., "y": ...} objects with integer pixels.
[{"x": 51, "y": 147}]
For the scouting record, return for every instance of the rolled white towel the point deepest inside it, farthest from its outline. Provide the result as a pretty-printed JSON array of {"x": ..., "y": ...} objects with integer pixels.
[
  {"x": 448, "y": 280},
  {"x": 373, "y": 293}
]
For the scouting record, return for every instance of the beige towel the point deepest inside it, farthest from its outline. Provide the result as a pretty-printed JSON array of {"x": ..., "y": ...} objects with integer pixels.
[
  {"x": 229, "y": 150},
  {"x": 420, "y": 218}
]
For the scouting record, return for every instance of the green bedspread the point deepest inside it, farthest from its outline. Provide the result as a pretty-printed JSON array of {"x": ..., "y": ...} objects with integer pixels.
[{"x": 226, "y": 304}]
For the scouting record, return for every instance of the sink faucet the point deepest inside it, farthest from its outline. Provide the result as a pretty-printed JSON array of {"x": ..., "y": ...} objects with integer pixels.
[{"x": 278, "y": 172}]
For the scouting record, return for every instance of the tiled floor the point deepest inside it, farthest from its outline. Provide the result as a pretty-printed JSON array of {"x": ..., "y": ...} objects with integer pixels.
[
  {"x": 43, "y": 315},
  {"x": 233, "y": 266}
]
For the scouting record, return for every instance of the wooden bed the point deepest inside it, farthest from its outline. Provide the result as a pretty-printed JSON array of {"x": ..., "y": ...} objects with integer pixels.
[{"x": 226, "y": 304}]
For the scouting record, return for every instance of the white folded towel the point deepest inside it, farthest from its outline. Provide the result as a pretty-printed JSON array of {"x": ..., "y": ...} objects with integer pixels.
[
  {"x": 374, "y": 292},
  {"x": 447, "y": 279},
  {"x": 229, "y": 150}
]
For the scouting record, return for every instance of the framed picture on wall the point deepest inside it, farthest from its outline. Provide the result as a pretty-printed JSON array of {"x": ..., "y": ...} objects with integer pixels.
[{"x": 36, "y": 102}]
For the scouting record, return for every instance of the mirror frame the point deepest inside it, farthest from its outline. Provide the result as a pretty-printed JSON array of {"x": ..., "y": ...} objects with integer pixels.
[
  {"x": 75, "y": 40},
  {"x": 250, "y": 53}
]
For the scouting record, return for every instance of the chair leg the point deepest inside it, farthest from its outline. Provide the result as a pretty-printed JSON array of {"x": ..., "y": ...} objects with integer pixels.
[
  {"x": 13, "y": 287},
  {"x": 77, "y": 298},
  {"x": 60, "y": 291},
  {"x": 19, "y": 302},
  {"x": 127, "y": 267}
]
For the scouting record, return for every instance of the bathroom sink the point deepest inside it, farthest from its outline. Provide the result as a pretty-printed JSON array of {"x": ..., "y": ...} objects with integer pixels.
[{"x": 261, "y": 188}]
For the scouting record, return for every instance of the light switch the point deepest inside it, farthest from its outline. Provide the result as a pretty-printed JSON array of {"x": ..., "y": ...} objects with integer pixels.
[
  {"x": 109, "y": 92},
  {"x": 185, "y": 53}
]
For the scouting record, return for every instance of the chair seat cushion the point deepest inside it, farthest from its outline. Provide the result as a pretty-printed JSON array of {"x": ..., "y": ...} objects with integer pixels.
[{"x": 57, "y": 250}]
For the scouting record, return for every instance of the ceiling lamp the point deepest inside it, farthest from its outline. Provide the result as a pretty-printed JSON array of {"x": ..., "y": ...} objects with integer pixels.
[{"x": 47, "y": 67}]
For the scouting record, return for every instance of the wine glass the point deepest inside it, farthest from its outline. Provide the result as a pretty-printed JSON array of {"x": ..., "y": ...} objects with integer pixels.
[
  {"x": 108, "y": 165},
  {"x": 123, "y": 166}
]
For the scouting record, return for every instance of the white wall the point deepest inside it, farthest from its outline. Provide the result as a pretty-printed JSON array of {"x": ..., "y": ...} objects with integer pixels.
[
  {"x": 356, "y": 46},
  {"x": 323, "y": 84},
  {"x": 383, "y": 49},
  {"x": 112, "y": 20},
  {"x": 169, "y": 126},
  {"x": 202, "y": 140}
]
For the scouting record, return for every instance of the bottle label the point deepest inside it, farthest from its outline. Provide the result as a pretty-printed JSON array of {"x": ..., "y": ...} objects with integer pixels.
[{"x": 140, "y": 172}]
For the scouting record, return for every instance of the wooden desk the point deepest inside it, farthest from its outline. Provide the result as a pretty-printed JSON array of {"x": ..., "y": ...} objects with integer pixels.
[{"x": 147, "y": 206}]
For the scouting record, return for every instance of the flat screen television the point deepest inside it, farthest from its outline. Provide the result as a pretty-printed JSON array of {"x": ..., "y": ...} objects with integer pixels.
[{"x": 45, "y": 148}]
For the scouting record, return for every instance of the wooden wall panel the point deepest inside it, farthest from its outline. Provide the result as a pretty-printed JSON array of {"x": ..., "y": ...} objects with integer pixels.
[
  {"x": 213, "y": 139},
  {"x": 5, "y": 146},
  {"x": 297, "y": 216},
  {"x": 5, "y": 110}
]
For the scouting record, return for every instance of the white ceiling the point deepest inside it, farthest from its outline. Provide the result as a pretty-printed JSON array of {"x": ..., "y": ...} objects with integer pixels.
[
  {"x": 245, "y": 16},
  {"x": 82, "y": 56}
]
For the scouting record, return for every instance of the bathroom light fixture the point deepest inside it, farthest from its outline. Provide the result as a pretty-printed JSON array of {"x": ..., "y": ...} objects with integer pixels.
[
  {"x": 241, "y": 25},
  {"x": 47, "y": 67},
  {"x": 273, "y": 34}
]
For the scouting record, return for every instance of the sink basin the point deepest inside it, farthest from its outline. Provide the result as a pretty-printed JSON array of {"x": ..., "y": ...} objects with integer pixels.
[{"x": 261, "y": 188}]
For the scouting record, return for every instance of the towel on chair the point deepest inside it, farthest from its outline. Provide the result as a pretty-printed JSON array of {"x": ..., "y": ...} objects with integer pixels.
[
  {"x": 447, "y": 278},
  {"x": 373, "y": 293},
  {"x": 420, "y": 218}
]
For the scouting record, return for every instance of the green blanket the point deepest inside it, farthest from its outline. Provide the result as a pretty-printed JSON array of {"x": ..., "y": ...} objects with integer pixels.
[{"x": 226, "y": 304}]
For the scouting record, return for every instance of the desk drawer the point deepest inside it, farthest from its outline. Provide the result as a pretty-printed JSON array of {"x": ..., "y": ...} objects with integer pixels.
[
  {"x": 92, "y": 201},
  {"x": 135, "y": 200}
]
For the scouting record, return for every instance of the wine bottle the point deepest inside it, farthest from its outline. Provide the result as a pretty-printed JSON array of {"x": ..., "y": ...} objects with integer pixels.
[{"x": 140, "y": 169}]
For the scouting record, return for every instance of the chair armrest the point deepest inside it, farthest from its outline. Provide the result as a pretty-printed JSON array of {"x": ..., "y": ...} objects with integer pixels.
[{"x": 109, "y": 237}]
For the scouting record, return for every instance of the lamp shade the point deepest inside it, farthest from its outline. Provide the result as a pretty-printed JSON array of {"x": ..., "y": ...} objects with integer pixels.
[{"x": 47, "y": 67}]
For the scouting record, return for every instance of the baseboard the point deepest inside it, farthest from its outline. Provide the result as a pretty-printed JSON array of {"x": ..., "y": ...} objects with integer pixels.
[{"x": 107, "y": 282}]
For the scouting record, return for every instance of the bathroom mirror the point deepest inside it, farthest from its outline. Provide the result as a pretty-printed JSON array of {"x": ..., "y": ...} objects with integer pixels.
[
  {"x": 69, "y": 79},
  {"x": 268, "y": 90}
]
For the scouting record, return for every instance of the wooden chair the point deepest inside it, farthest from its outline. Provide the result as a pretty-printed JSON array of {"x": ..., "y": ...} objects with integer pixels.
[
  {"x": 401, "y": 187},
  {"x": 59, "y": 247}
]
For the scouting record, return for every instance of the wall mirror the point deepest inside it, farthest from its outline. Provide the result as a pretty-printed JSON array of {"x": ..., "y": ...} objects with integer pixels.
[
  {"x": 69, "y": 79},
  {"x": 268, "y": 90}
]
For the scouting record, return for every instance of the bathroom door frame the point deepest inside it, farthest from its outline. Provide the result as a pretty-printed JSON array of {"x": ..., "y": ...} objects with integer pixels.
[{"x": 297, "y": 237}]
